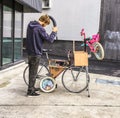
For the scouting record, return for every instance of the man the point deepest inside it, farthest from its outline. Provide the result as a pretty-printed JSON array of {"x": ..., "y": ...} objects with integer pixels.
[{"x": 36, "y": 34}]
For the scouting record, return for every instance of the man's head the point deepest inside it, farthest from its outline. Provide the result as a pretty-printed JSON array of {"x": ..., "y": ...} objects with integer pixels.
[{"x": 44, "y": 20}]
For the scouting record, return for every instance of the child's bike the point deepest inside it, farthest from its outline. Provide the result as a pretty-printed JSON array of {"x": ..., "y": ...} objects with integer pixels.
[{"x": 93, "y": 44}]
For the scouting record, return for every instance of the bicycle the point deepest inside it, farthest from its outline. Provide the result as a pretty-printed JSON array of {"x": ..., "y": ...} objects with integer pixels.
[
  {"x": 93, "y": 44},
  {"x": 47, "y": 73},
  {"x": 75, "y": 78}
]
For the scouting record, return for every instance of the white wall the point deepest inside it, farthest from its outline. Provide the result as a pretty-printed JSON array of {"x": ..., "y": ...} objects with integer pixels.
[
  {"x": 71, "y": 17},
  {"x": 27, "y": 18}
]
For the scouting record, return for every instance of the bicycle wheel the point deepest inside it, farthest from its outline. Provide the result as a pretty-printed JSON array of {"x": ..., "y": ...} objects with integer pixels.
[
  {"x": 47, "y": 84},
  {"x": 42, "y": 72},
  {"x": 75, "y": 79},
  {"x": 99, "y": 51}
]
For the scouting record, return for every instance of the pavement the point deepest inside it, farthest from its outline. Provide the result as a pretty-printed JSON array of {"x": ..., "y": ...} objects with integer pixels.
[{"x": 104, "y": 100}]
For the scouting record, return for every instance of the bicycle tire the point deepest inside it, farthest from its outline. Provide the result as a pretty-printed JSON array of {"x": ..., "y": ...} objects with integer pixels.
[
  {"x": 42, "y": 72},
  {"x": 99, "y": 51},
  {"x": 47, "y": 84},
  {"x": 54, "y": 23},
  {"x": 75, "y": 86}
]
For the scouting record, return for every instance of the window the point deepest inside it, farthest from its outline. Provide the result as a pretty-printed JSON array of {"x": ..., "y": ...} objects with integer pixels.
[
  {"x": 0, "y": 31},
  {"x": 12, "y": 32},
  {"x": 18, "y": 33},
  {"x": 7, "y": 42},
  {"x": 46, "y": 4}
]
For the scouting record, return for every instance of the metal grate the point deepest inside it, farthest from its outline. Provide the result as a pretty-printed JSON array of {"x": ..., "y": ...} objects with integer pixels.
[{"x": 102, "y": 81}]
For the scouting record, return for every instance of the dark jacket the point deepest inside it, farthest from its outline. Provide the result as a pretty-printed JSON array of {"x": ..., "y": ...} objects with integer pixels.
[{"x": 36, "y": 35}]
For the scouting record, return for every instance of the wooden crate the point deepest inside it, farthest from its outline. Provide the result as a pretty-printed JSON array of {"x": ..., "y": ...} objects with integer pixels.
[
  {"x": 55, "y": 70},
  {"x": 80, "y": 58},
  {"x": 57, "y": 66}
]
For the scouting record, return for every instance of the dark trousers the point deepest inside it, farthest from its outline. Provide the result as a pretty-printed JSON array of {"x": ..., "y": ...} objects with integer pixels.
[{"x": 33, "y": 62}]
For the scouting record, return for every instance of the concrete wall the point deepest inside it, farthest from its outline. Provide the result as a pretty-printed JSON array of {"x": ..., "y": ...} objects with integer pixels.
[
  {"x": 71, "y": 16},
  {"x": 110, "y": 28},
  {"x": 60, "y": 47}
]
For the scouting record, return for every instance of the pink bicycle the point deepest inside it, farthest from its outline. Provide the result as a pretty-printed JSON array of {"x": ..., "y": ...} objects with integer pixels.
[{"x": 94, "y": 44}]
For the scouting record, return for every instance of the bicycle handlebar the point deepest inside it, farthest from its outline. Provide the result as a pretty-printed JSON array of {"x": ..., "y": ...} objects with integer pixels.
[
  {"x": 87, "y": 39},
  {"x": 82, "y": 33}
]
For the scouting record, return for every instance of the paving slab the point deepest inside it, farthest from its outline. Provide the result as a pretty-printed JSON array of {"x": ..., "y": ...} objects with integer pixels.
[{"x": 104, "y": 100}]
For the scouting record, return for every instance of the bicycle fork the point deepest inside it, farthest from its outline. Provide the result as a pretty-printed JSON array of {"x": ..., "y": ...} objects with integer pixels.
[{"x": 75, "y": 78}]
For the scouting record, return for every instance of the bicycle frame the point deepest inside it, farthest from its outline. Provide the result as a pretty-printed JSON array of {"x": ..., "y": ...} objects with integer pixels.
[
  {"x": 90, "y": 41},
  {"x": 75, "y": 78}
]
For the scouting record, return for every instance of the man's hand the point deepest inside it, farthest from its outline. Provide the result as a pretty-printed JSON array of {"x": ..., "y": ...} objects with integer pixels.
[{"x": 54, "y": 29}]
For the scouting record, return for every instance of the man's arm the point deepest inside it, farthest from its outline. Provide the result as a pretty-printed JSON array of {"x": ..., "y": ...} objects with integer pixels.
[{"x": 47, "y": 37}]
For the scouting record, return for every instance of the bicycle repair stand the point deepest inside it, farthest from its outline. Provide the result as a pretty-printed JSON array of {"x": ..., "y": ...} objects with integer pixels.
[{"x": 81, "y": 59}]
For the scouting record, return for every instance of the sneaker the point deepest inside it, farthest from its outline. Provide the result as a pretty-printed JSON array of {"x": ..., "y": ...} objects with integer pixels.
[
  {"x": 37, "y": 89},
  {"x": 33, "y": 94}
]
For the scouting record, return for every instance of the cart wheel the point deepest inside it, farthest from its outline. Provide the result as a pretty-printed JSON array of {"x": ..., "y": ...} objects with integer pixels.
[
  {"x": 47, "y": 84},
  {"x": 99, "y": 54}
]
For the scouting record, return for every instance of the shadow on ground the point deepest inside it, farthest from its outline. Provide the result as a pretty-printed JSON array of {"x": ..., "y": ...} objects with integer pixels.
[{"x": 105, "y": 67}]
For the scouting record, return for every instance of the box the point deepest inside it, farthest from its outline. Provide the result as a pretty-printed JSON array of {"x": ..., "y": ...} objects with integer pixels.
[
  {"x": 57, "y": 66},
  {"x": 80, "y": 58},
  {"x": 58, "y": 62}
]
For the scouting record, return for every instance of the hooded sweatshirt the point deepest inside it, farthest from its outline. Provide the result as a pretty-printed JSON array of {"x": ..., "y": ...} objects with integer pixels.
[{"x": 36, "y": 35}]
